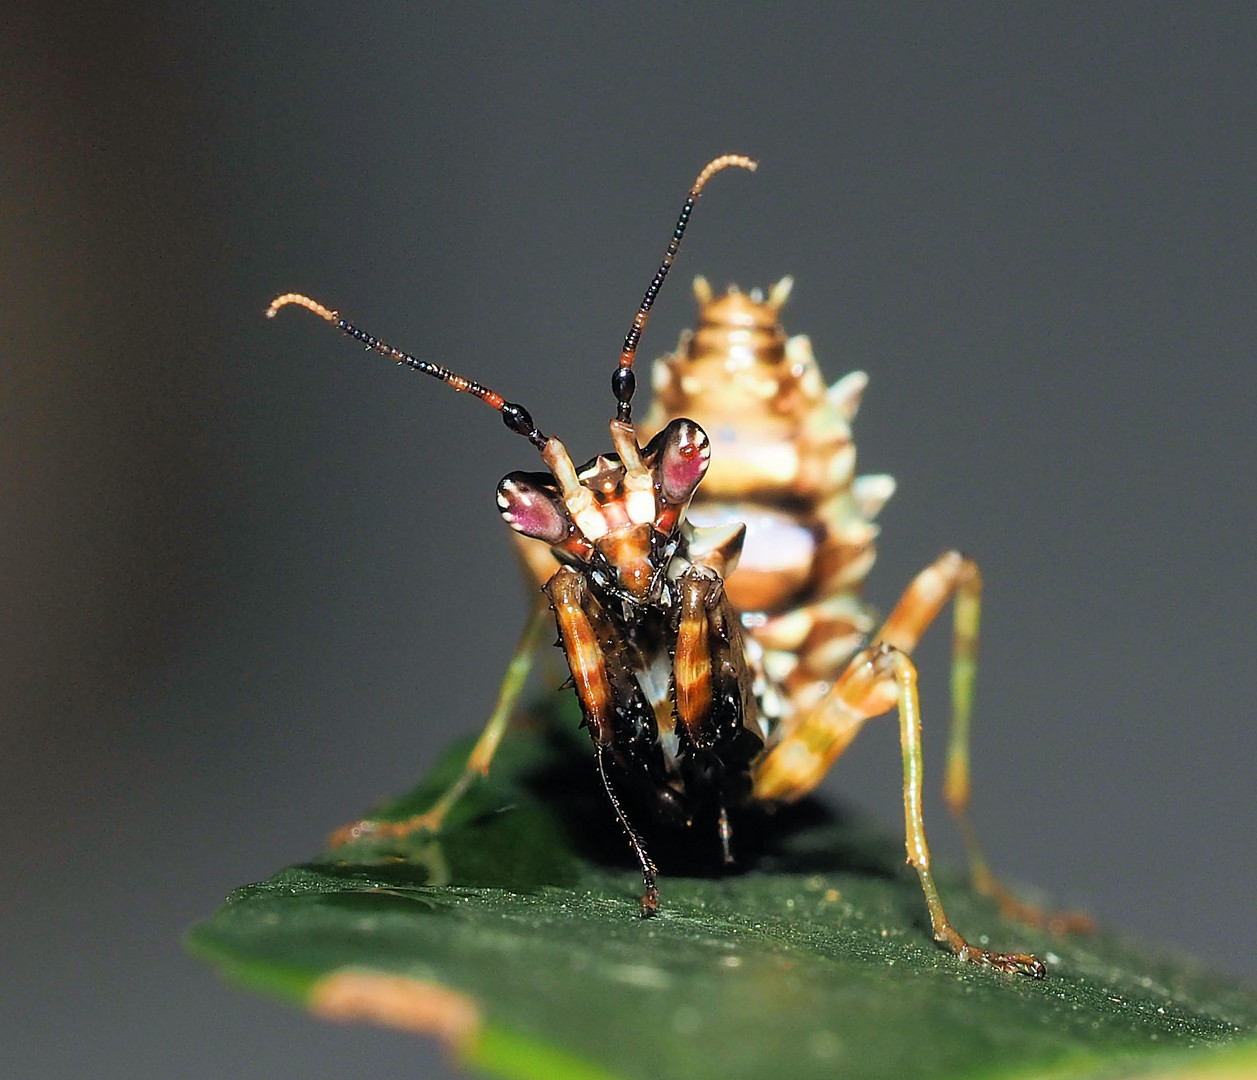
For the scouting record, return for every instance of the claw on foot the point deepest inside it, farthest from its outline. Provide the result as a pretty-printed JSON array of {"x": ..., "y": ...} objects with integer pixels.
[
  {"x": 1009, "y": 963},
  {"x": 385, "y": 830},
  {"x": 347, "y": 834},
  {"x": 650, "y": 902}
]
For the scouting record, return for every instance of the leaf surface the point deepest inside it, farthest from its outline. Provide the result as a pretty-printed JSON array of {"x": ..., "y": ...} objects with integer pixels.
[{"x": 514, "y": 936}]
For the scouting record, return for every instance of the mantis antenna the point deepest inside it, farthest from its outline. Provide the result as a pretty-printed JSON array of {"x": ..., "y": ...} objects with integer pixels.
[
  {"x": 515, "y": 417},
  {"x": 623, "y": 382}
]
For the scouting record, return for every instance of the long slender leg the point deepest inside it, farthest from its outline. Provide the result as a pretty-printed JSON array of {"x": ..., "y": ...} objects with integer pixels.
[
  {"x": 878, "y": 679},
  {"x": 481, "y": 756},
  {"x": 955, "y": 576},
  {"x": 905, "y": 676},
  {"x": 951, "y": 575}
]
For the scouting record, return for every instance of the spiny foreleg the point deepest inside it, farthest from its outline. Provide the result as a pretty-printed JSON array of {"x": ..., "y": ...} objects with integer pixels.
[
  {"x": 711, "y": 691},
  {"x": 616, "y": 711}
]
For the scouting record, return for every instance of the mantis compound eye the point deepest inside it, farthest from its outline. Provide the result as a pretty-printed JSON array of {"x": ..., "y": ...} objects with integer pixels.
[
  {"x": 531, "y": 506},
  {"x": 684, "y": 452}
]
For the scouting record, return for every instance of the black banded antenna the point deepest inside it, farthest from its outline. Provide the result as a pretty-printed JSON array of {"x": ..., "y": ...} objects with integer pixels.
[
  {"x": 623, "y": 381},
  {"x": 515, "y": 417}
]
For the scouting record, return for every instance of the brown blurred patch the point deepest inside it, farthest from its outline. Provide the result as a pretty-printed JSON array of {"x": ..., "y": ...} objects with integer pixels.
[{"x": 397, "y": 1001}]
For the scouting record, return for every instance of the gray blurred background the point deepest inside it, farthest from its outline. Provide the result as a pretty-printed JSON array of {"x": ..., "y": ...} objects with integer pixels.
[{"x": 253, "y": 581}]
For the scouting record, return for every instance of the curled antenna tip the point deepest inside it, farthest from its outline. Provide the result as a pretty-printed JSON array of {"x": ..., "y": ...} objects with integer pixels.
[
  {"x": 300, "y": 301},
  {"x": 723, "y": 162}
]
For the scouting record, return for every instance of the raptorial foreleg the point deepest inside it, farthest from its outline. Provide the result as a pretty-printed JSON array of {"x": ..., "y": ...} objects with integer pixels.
[
  {"x": 616, "y": 711},
  {"x": 712, "y": 691}
]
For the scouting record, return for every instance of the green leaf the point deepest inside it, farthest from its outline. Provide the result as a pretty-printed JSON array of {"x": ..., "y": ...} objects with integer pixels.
[{"x": 515, "y": 937}]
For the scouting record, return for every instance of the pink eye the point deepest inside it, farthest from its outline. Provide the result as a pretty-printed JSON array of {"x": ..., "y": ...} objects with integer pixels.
[
  {"x": 684, "y": 451},
  {"x": 529, "y": 505}
]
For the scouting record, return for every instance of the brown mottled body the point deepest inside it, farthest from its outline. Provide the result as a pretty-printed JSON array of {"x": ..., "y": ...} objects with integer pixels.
[
  {"x": 783, "y": 463},
  {"x": 716, "y": 636}
]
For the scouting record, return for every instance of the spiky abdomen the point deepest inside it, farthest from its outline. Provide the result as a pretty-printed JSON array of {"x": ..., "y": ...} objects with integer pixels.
[{"x": 782, "y": 462}]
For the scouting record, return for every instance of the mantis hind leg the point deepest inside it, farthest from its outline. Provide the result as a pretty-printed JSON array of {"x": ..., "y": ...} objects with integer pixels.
[
  {"x": 891, "y": 660},
  {"x": 881, "y": 677},
  {"x": 955, "y": 576},
  {"x": 481, "y": 756}
]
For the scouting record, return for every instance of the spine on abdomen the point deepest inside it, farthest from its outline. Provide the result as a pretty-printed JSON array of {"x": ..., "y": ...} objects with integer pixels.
[{"x": 783, "y": 462}]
